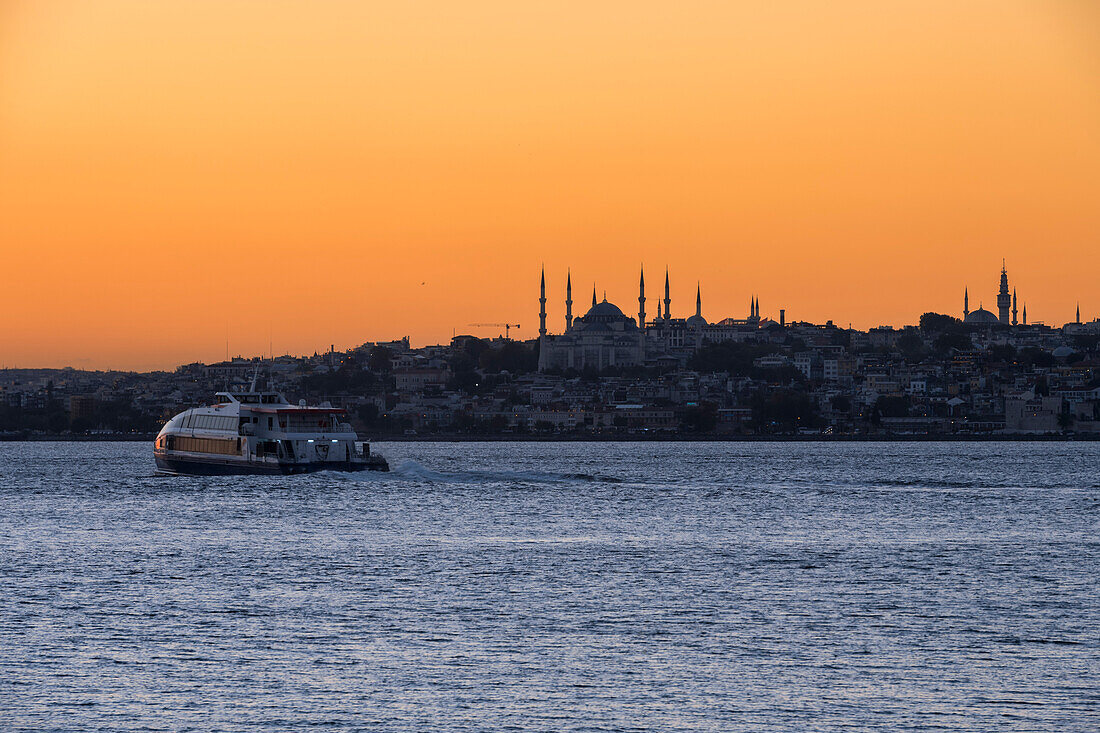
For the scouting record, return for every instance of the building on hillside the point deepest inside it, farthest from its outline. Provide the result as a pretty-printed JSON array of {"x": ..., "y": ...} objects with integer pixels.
[
  {"x": 1007, "y": 307},
  {"x": 602, "y": 338},
  {"x": 81, "y": 406},
  {"x": 605, "y": 337},
  {"x": 1028, "y": 413}
]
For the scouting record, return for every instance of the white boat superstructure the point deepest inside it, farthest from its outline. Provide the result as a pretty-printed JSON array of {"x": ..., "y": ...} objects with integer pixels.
[{"x": 261, "y": 432}]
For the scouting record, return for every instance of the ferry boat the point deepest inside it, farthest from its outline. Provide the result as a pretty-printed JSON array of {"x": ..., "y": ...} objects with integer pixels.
[{"x": 261, "y": 432}]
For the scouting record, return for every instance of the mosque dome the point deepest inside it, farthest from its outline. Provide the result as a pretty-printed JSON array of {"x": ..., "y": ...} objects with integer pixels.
[
  {"x": 604, "y": 317},
  {"x": 696, "y": 321},
  {"x": 981, "y": 317},
  {"x": 604, "y": 310}
]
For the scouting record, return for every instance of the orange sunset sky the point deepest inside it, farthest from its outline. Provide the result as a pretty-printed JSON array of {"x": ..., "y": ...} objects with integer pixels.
[{"x": 323, "y": 172}]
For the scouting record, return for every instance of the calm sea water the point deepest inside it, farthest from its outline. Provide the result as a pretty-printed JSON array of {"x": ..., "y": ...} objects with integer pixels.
[{"x": 595, "y": 587}]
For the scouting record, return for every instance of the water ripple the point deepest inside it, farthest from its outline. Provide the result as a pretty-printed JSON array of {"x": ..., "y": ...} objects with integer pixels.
[{"x": 556, "y": 586}]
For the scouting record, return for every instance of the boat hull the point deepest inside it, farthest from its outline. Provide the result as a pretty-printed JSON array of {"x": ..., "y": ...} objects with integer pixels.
[{"x": 221, "y": 466}]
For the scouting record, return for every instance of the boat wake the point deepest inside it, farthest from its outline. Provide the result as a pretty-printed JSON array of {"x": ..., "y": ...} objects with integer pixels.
[{"x": 411, "y": 470}]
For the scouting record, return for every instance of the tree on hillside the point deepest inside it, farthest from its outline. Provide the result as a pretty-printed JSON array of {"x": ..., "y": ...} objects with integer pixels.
[
  {"x": 784, "y": 410},
  {"x": 513, "y": 357},
  {"x": 1034, "y": 356},
  {"x": 931, "y": 323},
  {"x": 729, "y": 356},
  {"x": 379, "y": 360},
  {"x": 1002, "y": 353},
  {"x": 911, "y": 345},
  {"x": 949, "y": 341},
  {"x": 890, "y": 406}
]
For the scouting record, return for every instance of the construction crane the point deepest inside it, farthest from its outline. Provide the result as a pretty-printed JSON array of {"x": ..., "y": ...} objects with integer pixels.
[{"x": 507, "y": 326}]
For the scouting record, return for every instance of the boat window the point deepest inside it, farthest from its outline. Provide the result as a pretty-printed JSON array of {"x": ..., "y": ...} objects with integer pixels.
[
  {"x": 223, "y": 446},
  {"x": 213, "y": 422},
  {"x": 270, "y": 399},
  {"x": 308, "y": 422}
]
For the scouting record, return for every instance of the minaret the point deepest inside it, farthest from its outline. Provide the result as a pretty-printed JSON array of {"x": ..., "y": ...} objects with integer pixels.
[
  {"x": 1078, "y": 312},
  {"x": 698, "y": 301},
  {"x": 1004, "y": 300},
  {"x": 542, "y": 304},
  {"x": 966, "y": 303},
  {"x": 641, "y": 298},
  {"x": 752, "y": 307},
  {"x": 1025, "y": 314},
  {"x": 668, "y": 301},
  {"x": 568, "y": 301},
  {"x": 593, "y": 295},
  {"x": 1015, "y": 322}
]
